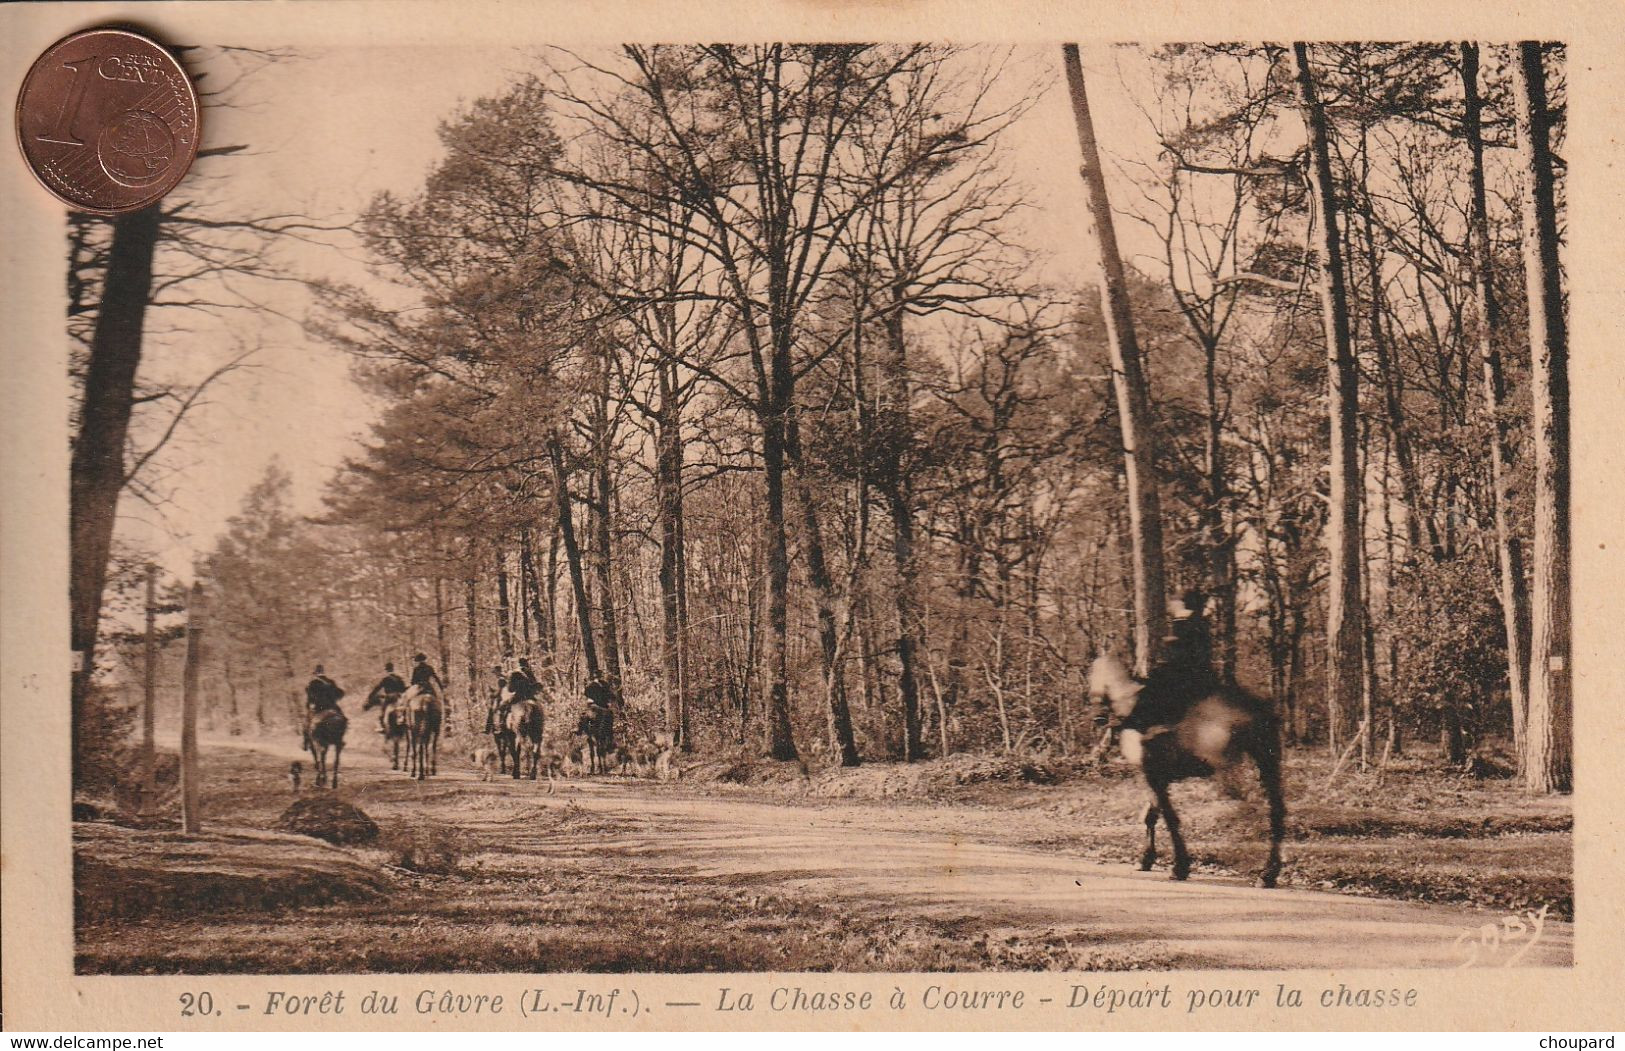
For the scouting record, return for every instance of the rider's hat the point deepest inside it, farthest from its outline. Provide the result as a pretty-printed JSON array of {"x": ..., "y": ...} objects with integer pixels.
[{"x": 419, "y": 657}]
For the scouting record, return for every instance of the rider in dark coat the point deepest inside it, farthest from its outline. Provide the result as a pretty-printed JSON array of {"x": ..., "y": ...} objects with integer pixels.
[
  {"x": 388, "y": 690},
  {"x": 521, "y": 686},
  {"x": 322, "y": 694},
  {"x": 425, "y": 677},
  {"x": 1184, "y": 674},
  {"x": 536, "y": 684}
]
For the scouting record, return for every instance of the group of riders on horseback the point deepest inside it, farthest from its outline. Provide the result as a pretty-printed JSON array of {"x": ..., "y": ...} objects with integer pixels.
[
  {"x": 405, "y": 710},
  {"x": 514, "y": 710},
  {"x": 322, "y": 694}
]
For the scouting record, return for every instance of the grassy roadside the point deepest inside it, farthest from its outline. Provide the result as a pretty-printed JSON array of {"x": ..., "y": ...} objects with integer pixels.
[{"x": 586, "y": 916}]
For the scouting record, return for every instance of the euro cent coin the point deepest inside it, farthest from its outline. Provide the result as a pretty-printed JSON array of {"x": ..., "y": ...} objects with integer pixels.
[{"x": 108, "y": 121}]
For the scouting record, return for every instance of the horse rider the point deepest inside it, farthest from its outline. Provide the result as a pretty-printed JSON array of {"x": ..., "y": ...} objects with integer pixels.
[
  {"x": 599, "y": 721},
  {"x": 386, "y": 693},
  {"x": 322, "y": 694},
  {"x": 522, "y": 684},
  {"x": 1183, "y": 675},
  {"x": 524, "y": 666},
  {"x": 425, "y": 678}
]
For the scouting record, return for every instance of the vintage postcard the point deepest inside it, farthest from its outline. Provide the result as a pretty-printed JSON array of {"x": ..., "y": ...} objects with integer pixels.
[{"x": 840, "y": 516}]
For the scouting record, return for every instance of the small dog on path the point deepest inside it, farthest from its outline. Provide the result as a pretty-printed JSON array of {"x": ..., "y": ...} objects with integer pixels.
[
  {"x": 296, "y": 770},
  {"x": 485, "y": 760}
]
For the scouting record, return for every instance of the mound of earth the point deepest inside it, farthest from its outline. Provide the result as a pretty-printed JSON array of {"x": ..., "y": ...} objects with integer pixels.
[
  {"x": 130, "y": 873},
  {"x": 326, "y": 817}
]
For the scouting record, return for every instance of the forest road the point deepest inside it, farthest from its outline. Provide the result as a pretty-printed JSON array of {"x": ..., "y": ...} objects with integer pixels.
[{"x": 923, "y": 861}]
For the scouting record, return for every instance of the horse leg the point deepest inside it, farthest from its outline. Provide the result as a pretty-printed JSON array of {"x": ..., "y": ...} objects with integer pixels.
[
  {"x": 1269, "y": 772},
  {"x": 434, "y": 753},
  {"x": 1182, "y": 860},
  {"x": 1149, "y": 857},
  {"x": 316, "y": 762},
  {"x": 338, "y": 750}
]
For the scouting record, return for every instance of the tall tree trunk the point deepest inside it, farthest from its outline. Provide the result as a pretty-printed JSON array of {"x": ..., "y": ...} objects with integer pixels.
[
  {"x": 1221, "y": 551},
  {"x": 908, "y": 634},
  {"x": 504, "y": 606},
  {"x": 1344, "y": 634},
  {"x": 471, "y": 601},
  {"x": 442, "y": 645},
  {"x": 532, "y": 588},
  {"x": 899, "y": 503},
  {"x": 526, "y": 599},
  {"x": 572, "y": 557},
  {"x": 685, "y": 638},
  {"x": 668, "y": 483},
  {"x": 780, "y": 737},
  {"x": 1508, "y": 545},
  {"x": 96, "y": 475},
  {"x": 1371, "y": 684},
  {"x": 552, "y": 637},
  {"x": 1133, "y": 397},
  {"x": 603, "y": 550},
  {"x": 840, "y": 713},
  {"x": 1548, "y": 744}
]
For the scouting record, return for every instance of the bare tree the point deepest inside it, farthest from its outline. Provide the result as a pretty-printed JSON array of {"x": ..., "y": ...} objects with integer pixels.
[
  {"x": 1344, "y": 631},
  {"x": 1133, "y": 397},
  {"x": 1509, "y": 546},
  {"x": 1548, "y": 732}
]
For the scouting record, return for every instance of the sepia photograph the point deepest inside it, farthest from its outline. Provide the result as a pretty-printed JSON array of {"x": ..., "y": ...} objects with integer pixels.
[{"x": 539, "y": 507}]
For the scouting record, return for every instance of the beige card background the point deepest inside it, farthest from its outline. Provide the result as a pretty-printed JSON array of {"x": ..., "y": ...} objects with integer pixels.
[{"x": 39, "y": 988}]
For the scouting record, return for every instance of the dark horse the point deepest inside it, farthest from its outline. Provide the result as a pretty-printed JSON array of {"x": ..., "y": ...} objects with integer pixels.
[
  {"x": 423, "y": 715},
  {"x": 325, "y": 730},
  {"x": 524, "y": 725},
  {"x": 1215, "y": 731},
  {"x": 507, "y": 743},
  {"x": 597, "y": 725},
  {"x": 395, "y": 730}
]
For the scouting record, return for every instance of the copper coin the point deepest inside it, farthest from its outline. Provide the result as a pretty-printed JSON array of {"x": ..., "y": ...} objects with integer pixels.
[{"x": 108, "y": 121}]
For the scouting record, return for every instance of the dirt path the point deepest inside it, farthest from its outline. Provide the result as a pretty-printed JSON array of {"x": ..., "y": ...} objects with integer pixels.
[
  {"x": 941, "y": 863},
  {"x": 1224, "y": 922}
]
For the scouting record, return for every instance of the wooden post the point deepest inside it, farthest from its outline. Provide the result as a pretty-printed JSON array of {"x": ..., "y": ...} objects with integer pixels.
[
  {"x": 195, "y": 616},
  {"x": 149, "y": 755}
]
